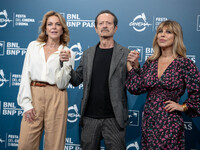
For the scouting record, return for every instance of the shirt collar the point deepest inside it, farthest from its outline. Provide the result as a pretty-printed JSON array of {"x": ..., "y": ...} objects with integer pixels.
[{"x": 41, "y": 44}]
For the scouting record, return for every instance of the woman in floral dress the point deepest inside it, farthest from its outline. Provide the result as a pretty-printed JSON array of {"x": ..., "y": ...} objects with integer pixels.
[{"x": 165, "y": 76}]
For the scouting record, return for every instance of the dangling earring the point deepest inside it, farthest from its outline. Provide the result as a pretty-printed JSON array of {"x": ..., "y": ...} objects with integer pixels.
[{"x": 46, "y": 33}]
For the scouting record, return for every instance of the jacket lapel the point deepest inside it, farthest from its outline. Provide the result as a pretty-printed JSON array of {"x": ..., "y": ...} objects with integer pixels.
[
  {"x": 90, "y": 59},
  {"x": 116, "y": 57}
]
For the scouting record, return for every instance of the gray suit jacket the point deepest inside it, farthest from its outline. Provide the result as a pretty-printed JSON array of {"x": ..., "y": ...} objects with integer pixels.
[{"x": 117, "y": 77}]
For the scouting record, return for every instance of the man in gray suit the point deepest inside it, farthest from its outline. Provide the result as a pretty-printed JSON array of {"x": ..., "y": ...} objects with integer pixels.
[{"x": 102, "y": 69}]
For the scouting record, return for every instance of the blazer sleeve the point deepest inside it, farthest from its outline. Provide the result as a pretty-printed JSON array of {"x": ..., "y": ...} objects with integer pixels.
[{"x": 77, "y": 76}]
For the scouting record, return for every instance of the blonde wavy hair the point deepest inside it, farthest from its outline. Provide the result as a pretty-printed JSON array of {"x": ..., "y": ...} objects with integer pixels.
[
  {"x": 64, "y": 38},
  {"x": 178, "y": 46}
]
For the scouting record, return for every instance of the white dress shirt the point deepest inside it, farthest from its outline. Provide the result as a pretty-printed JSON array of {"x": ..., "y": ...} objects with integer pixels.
[{"x": 36, "y": 68}]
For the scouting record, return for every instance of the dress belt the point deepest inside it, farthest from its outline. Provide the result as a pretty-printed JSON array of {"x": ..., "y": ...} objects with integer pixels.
[{"x": 40, "y": 84}]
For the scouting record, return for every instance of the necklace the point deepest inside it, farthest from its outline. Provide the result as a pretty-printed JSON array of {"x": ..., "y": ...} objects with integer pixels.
[{"x": 51, "y": 49}]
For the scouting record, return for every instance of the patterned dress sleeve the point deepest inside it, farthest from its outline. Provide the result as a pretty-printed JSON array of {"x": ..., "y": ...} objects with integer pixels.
[
  {"x": 135, "y": 81},
  {"x": 192, "y": 80}
]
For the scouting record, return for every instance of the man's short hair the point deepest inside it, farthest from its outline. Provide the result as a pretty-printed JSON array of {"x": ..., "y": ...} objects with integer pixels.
[{"x": 108, "y": 12}]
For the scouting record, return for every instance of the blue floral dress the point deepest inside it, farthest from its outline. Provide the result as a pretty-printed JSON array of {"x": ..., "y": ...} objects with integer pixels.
[{"x": 161, "y": 129}]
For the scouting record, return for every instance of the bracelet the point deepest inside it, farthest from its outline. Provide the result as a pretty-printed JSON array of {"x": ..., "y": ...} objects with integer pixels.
[{"x": 185, "y": 108}]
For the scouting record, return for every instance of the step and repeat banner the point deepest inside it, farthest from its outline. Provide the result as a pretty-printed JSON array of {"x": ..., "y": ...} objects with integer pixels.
[{"x": 138, "y": 20}]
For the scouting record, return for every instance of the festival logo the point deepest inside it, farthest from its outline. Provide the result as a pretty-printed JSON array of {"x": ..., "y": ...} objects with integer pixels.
[
  {"x": 73, "y": 114},
  {"x": 157, "y": 21},
  {"x": 4, "y": 20},
  {"x": 78, "y": 51},
  {"x": 18, "y": 19},
  {"x": 133, "y": 146},
  {"x": 23, "y": 20},
  {"x": 2, "y": 141},
  {"x": 140, "y": 23},
  {"x": 15, "y": 79},
  {"x": 2, "y": 78},
  {"x": 12, "y": 140}
]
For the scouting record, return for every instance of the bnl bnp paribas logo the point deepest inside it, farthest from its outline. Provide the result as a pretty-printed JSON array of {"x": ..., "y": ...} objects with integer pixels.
[
  {"x": 140, "y": 23},
  {"x": 11, "y": 48},
  {"x": 2, "y": 78},
  {"x": 133, "y": 117},
  {"x": 4, "y": 20},
  {"x": 75, "y": 21},
  {"x": 2, "y": 48},
  {"x": 138, "y": 49}
]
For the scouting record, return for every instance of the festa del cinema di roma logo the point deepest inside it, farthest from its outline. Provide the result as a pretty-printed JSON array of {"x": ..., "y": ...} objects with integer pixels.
[
  {"x": 78, "y": 51},
  {"x": 73, "y": 114},
  {"x": 2, "y": 78},
  {"x": 134, "y": 145},
  {"x": 4, "y": 20},
  {"x": 139, "y": 23}
]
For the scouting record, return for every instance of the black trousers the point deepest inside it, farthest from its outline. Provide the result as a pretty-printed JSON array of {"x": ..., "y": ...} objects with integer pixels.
[{"x": 94, "y": 130}]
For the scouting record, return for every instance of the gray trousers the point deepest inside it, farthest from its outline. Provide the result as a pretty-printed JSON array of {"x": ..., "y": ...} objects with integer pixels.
[{"x": 94, "y": 130}]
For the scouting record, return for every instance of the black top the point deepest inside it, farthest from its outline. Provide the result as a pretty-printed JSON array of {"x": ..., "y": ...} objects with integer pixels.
[{"x": 99, "y": 104}]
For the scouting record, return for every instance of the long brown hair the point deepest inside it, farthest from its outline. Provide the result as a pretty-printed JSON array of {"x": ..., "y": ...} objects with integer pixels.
[{"x": 64, "y": 38}]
